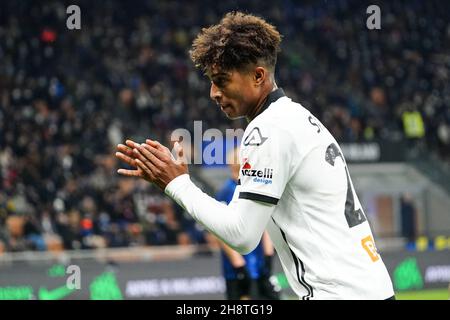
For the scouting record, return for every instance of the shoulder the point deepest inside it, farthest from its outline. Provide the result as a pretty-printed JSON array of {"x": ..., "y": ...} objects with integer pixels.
[
  {"x": 264, "y": 133},
  {"x": 286, "y": 115},
  {"x": 285, "y": 120},
  {"x": 273, "y": 121},
  {"x": 286, "y": 125}
]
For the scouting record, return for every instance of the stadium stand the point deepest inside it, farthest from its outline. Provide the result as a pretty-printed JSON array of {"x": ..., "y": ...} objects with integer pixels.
[{"x": 68, "y": 97}]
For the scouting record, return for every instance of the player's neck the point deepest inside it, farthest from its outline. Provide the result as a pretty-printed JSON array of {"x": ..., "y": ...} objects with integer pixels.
[{"x": 256, "y": 110}]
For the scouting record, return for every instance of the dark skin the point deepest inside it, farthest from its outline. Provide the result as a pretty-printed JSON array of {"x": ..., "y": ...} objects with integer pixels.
[{"x": 239, "y": 93}]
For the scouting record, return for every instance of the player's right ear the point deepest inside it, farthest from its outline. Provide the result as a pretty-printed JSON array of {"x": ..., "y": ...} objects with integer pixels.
[{"x": 260, "y": 75}]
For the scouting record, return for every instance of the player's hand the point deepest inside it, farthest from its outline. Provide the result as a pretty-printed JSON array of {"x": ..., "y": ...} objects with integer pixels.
[
  {"x": 126, "y": 154},
  {"x": 153, "y": 161}
]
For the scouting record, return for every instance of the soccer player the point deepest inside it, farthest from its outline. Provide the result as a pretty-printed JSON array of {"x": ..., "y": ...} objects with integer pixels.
[
  {"x": 246, "y": 276},
  {"x": 294, "y": 180}
]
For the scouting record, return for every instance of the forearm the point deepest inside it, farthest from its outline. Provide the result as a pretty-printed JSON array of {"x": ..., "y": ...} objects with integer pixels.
[
  {"x": 240, "y": 225},
  {"x": 267, "y": 245}
]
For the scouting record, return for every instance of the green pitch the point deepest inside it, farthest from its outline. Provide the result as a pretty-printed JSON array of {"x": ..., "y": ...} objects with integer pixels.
[{"x": 435, "y": 294}]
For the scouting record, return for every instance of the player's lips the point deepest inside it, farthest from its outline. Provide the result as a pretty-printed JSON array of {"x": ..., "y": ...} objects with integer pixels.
[{"x": 224, "y": 107}]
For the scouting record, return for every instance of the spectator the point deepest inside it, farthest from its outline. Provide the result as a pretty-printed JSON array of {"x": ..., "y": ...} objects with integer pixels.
[
  {"x": 64, "y": 94},
  {"x": 408, "y": 218}
]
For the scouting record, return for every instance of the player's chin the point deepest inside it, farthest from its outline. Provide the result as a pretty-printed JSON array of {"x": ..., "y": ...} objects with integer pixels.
[{"x": 231, "y": 114}]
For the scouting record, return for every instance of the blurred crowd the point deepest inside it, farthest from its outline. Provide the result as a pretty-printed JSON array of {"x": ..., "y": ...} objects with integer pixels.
[{"x": 68, "y": 97}]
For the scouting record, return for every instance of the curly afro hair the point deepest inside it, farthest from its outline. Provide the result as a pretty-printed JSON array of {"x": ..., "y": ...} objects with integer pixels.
[{"x": 238, "y": 41}]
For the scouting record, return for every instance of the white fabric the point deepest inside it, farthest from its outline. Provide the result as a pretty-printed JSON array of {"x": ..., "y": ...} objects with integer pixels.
[
  {"x": 323, "y": 256},
  {"x": 228, "y": 222},
  {"x": 318, "y": 226}
]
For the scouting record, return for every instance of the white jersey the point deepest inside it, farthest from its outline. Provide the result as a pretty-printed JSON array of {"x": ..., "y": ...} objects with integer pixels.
[{"x": 318, "y": 227}]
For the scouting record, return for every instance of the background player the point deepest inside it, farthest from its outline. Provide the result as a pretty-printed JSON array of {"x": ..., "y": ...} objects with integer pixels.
[{"x": 246, "y": 276}]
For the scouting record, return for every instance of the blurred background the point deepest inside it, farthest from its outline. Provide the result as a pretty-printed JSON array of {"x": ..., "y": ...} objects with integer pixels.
[{"x": 68, "y": 97}]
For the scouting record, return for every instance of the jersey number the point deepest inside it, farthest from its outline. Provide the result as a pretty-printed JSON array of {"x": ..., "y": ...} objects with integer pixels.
[{"x": 354, "y": 216}]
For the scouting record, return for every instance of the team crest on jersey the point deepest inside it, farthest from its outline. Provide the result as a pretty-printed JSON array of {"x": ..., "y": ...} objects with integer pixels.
[
  {"x": 254, "y": 138},
  {"x": 264, "y": 176}
]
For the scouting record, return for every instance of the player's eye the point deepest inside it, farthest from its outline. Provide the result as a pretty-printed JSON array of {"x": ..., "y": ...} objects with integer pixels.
[{"x": 220, "y": 82}]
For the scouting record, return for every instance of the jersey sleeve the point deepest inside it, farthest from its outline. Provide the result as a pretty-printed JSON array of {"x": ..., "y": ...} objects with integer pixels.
[{"x": 266, "y": 157}]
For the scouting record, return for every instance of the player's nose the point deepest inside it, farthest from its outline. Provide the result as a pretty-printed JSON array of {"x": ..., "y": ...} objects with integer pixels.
[{"x": 215, "y": 94}]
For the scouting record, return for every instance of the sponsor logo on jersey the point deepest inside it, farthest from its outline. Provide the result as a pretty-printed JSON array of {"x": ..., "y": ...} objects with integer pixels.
[
  {"x": 264, "y": 176},
  {"x": 254, "y": 138},
  {"x": 246, "y": 165}
]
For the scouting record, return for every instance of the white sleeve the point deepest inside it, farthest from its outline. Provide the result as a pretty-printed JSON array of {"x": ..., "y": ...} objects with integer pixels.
[
  {"x": 240, "y": 224},
  {"x": 266, "y": 156}
]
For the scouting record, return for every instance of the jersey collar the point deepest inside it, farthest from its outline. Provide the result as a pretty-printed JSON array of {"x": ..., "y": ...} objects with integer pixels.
[{"x": 271, "y": 98}]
